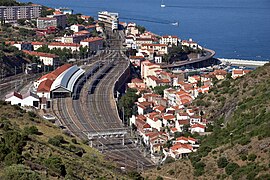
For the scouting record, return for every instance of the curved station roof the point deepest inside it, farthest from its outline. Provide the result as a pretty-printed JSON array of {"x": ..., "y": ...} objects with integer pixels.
[{"x": 66, "y": 80}]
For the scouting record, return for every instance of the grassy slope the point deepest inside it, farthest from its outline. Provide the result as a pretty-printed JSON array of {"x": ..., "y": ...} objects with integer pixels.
[
  {"x": 91, "y": 165},
  {"x": 243, "y": 106}
]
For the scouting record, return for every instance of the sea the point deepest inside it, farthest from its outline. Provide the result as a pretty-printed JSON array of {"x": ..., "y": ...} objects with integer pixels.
[{"x": 235, "y": 29}]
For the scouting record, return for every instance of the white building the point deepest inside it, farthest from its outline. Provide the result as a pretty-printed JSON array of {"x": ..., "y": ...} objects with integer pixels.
[
  {"x": 46, "y": 58},
  {"x": 190, "y": 43},
  {"x": 77, "y": 27},
  {"x": 110, "y": 20},
  {"x": 28, "y": 99},
  {"x": 72, "y": 46},
  {"x": 23, "y": 46},
  {"x": 93, "y": 43},
  {"x": 199, "y": 128},
  {"x": 61, "y": 19},
  {"x": 45, "y": 22},
  {"x": 37, "y": 45},
  {"x": 169, "y": 40},
  {"x": 13, "y": 13}
]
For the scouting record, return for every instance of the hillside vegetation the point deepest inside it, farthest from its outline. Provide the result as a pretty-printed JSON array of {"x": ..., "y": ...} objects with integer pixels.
[
  {"x": 31, "y": 148},
  {"x": 239, "y": 147}
]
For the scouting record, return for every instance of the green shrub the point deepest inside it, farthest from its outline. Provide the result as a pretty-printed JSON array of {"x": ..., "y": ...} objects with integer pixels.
[
  {"x": 12, "y": 158},
  {"x": 230, "y": 168},
  {"x": 32, "y": 114},
  {"x": 171, "y": 172},
  {"x": 244, "y": 141},
  {"x": 222, "y": 162},
  {"x": 243, "y": 157},
  {"x": 19, "y": 172},
  {"x": 74, "y": 141},
  {"x": 159, "y": 178},
  {"x": 252, "y": 157},
  {"x": 55, "y": 164},
  {"x": 54, "y": 142},
  {"x": 31, "y": 130}
]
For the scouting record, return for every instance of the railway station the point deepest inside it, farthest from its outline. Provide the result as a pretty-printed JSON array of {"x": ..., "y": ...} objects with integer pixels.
[{"x": 63, "y": 85}]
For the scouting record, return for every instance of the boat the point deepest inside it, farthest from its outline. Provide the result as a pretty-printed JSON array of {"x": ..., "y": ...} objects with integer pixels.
[
  {"x": 162, "y": 4},
  {"x": 175, "y": 23}
]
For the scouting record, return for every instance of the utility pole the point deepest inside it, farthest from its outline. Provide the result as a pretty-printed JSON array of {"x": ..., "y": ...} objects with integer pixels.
[{"x": 123, "y": 111}]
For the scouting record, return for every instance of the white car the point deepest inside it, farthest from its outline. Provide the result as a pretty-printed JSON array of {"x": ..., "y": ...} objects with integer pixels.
[{"x": 49, "y": 117}]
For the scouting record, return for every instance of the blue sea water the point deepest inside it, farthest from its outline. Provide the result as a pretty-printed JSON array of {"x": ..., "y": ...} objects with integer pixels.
[{"x": 235, "y": 29}]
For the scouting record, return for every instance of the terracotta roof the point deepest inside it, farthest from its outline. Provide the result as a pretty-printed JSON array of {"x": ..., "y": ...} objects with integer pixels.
[
  {"x": 41, "y": 54},
  {"x": 46, "y": 18},
  {"x": 182, "y": 138},
  {"x": 45, "y": 86},
  {"x": 169, "y": 117},
  {"x": 238, "y": 71},
  {"x": 160, "y": 108},
  {"x": 92, "y": 39},
  {"x": 140, "y": 116},
  {"x": 136, "y": 80},
  {"x": 90, "y": 26},
  {"x": 64, "y": 44},
  {"x": 37, "y": 43},
  {"x": 183, "y": 114},
  {"x": 174, "y": 129},
  {"x": 154, "y": 45},
  {"x": 198, "y": 125},
  {"x": 16, "y": 94},
  {"x": 57, "y": 12},
  {"x": 192, "y": 139},
  {"x": 180, "y": 145},
  {"x": 219, "y": 72},
  {"x": 53, "y": 75},
  {"x": 136, "y": 57},
  {"x": 183, "y": 122},
  {"x": 146, "y": 125}
]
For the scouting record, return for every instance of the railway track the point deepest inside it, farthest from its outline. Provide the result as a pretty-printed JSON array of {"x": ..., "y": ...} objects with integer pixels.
[{"x": 97, "y": 112}]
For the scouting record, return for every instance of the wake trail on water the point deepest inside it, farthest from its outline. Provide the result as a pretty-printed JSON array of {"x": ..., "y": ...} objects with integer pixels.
[{"x": 148, "y": 20}]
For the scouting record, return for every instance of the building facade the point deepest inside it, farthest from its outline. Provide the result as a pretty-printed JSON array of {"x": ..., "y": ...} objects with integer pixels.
[
  {"x": 61, "y": 20},
  {"x": 110, "y": 20},
  {"x": 43, "y": 23},
  {"x": 13, "y": 13}
]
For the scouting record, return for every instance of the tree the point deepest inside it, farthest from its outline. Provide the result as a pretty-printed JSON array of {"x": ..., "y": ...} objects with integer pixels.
[
  {"x": 231, "y": 167},
  {"x": 55, "y": 164},
  {"x": 19, "y": 172},
  {"x": 12, "y": 158},
  {"x": 160, "y": 89},
  {"x": 31, "y": 130},
  {"x": 141, "y": 29},
  {"x": 127, "y": 101},
  {"x": 21, "y": 22},
  {"x": 222, "y": 162}
]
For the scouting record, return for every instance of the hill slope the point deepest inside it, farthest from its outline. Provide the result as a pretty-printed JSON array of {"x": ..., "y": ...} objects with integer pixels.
[
  {"x": 31, "y": 148},
  {"x": 239, "y": 146}
]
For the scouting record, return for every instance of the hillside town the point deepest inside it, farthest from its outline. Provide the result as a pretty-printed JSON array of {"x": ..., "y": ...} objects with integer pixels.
[{"x": 166, "y": 119}]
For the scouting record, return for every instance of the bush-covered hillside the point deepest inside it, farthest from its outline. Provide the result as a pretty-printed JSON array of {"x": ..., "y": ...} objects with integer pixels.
[
  {"x": 239, "y": 147},
  {"x": 31, "y": 148}
]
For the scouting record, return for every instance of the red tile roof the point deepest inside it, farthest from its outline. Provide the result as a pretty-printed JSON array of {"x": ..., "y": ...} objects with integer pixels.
[
  {"x": 64, "y": 44},
  {"x": 198, "y": 125},
  {"x": 45, "y": 86},
  {"x": 136, "y": 80},
  {"x": 92, "y": 39},
  {"x": 182, "y": 138},
  {"x": 169, "y": 117},
  {"x": 180, "y": 145},
  {"x": 183, "y": 122},
  {"x": 40, "y": 54}
]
